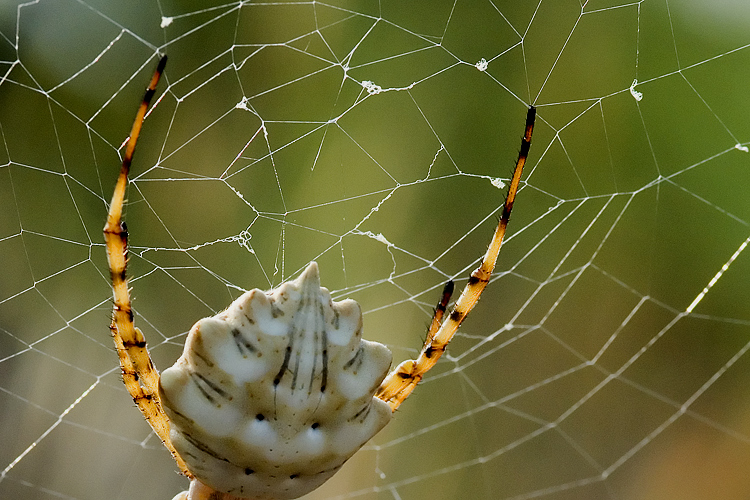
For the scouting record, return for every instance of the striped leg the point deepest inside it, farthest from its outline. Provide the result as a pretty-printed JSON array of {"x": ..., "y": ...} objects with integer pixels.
[
  {"x": 403, "y": 379},
  {"x": 138, "y": 371}
]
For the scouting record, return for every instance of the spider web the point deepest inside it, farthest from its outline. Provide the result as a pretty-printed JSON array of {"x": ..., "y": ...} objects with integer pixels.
[{"x": 607, "y": 358}]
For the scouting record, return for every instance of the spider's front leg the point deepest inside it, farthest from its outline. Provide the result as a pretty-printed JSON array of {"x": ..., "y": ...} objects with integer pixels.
[
  {"x": 404, "y": 378},
  {"x": 138, "y": 371}
]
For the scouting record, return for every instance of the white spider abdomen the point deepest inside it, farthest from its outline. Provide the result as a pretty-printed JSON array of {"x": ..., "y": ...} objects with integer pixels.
[{"x": 273, "y": 395}]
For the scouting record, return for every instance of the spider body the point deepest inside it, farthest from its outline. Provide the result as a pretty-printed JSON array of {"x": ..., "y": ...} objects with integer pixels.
[{"x": 271, "y": 396}]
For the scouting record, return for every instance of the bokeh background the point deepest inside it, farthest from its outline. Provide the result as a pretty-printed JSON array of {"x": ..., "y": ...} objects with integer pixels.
[{"x": 583, "y": 373}]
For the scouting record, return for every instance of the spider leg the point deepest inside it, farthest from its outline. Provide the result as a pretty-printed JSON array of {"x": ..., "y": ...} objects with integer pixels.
[
  {"x": 437, "y": 317},
  {"x": 387, "y": 391},
  {"x": 138, "y": 371},
  {"x": 404, "y": 378}
]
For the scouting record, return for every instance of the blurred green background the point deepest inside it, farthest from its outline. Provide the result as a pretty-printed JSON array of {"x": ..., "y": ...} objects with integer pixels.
[{"x": 577, "y": 376}]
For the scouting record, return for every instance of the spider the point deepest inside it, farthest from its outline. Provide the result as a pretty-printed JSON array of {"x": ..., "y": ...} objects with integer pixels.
[{"x": 271, "y": 396}]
